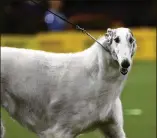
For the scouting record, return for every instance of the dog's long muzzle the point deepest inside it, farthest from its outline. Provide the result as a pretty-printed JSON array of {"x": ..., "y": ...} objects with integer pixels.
[{"x": 124, "y": 66}]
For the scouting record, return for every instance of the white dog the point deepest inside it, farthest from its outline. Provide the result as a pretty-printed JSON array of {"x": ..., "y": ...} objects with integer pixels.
[{"x": 64, "y": 95}]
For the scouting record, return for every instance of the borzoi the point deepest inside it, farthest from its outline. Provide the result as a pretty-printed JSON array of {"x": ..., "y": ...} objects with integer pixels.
[{"x": 64, "y": 95}]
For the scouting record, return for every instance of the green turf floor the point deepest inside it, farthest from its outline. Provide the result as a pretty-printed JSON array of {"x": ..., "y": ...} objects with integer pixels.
[{"x": 139, "y": 93}]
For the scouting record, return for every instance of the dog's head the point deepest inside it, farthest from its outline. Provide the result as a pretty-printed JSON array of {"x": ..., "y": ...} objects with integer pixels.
[{"x": 122, "y": 46}]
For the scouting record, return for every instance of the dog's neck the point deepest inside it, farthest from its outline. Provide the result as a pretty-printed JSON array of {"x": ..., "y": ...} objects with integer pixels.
[{"x": 108, "y": 67}]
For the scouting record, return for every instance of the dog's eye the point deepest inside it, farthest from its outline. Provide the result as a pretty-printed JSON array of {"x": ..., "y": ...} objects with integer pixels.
[
  {"x": 117, "y": 40},
  {"x": 131, "y": 40}
]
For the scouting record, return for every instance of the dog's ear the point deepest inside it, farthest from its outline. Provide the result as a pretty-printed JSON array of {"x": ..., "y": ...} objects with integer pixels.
[
  {"x": 109, "y": 35},
  {"x": 110, "y": 31},
  {"x": 134, "y": 47}
]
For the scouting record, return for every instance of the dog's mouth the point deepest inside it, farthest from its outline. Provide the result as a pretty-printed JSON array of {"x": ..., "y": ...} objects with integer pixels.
[{"x": 124, "y": 71}]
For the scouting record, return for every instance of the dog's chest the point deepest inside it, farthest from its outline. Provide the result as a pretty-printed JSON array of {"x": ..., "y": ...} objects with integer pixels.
[{"x": 96, "y": 107}]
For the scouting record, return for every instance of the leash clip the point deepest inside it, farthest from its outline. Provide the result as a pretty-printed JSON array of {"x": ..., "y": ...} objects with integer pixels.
[{"x": 79, "y": 28}]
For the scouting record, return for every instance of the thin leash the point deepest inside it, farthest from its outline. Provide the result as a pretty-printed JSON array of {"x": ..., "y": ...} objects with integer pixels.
[{"x": 76, "y": 26}]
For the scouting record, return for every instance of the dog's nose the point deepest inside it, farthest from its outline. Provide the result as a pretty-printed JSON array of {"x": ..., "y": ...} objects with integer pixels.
[{"x": 125, "y": 63}]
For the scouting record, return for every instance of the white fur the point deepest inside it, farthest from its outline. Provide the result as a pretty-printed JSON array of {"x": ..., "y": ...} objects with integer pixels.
[{"x": 64, "y": 95}]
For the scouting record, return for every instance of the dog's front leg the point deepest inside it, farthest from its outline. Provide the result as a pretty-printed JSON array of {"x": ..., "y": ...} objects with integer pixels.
[{"x": 114, "y": 127}]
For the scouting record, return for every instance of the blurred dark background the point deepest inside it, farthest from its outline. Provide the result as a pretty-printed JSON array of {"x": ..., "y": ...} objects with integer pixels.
[{"x": 25, "y": 17}]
